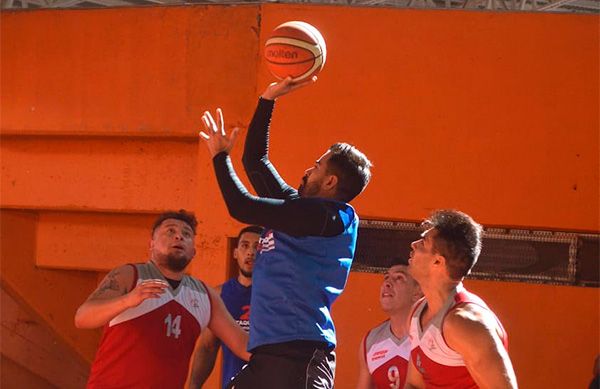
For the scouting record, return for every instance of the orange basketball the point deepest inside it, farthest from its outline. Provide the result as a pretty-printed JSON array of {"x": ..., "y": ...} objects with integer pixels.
[{"x": 295, "y": 49}]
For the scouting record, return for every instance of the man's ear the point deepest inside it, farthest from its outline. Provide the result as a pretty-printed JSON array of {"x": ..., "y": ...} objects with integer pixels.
[
  {"x": 330, "y": 182},
  {"x": 235, "y": 253},
  {"x": 440, "y": 260},
  {"x": 151, "y": 244}
]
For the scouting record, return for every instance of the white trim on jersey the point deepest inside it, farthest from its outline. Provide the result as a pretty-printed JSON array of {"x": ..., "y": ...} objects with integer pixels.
[
  {"x": 195, "y": 302},
  {"x": 431, "y": 340},
  {"x": 382, "y": 345}
]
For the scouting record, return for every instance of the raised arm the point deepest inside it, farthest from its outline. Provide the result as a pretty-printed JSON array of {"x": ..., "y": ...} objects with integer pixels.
[
  {"x": 364, "y": 380},
  {"x": 113, "y": 296},
  {"x": 473, "y": 333},
  {"x": 299, "y": 216},
  {"x": 262, "y": 174}
]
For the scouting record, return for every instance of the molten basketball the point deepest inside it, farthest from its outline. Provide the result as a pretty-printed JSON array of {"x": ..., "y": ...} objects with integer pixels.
[{"x": 295, "y": 49}]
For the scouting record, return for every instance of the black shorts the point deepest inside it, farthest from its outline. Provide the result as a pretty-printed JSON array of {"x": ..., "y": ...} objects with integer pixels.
[{"x": 290, "y": 365}]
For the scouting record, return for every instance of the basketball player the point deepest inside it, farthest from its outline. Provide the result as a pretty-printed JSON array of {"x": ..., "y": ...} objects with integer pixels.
[
  {"x": 153, "y": 312},
  {"x": 304, "y": 256},
  {"x": 385, "y": 350},
  {"x": 236, "y": 296},
  {"x": 457, "y": 341}
]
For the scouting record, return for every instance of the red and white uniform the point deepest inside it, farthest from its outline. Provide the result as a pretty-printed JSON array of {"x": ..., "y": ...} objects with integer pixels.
[
  {"x": 386, "y": 357},
  {"x": 440, "y": 366},
  {"x": 150, "y": 346}
]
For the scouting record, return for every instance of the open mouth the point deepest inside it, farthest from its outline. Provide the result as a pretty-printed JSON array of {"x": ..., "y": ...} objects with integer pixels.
[{"x": 178, "y": 247}]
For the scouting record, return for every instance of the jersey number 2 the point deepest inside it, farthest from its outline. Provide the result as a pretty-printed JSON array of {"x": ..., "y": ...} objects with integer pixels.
[{"x": 173, "y": 326}]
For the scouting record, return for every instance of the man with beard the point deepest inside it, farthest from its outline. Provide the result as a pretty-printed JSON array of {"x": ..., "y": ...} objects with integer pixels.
[
  {"x": 385, "y": 350},
  {"x": 236, "y": 296},
  {"x": 304, "y": 256},
  {"x": 153, "y": 312}
]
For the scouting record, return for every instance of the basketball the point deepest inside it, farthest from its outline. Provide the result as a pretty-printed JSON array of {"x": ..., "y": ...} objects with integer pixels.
[{"x": 295, "y": 49}]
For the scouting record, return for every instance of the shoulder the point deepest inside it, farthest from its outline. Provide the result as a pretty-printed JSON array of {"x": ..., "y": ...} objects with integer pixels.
[
  {"x": 125, "y": 273},
  {"x": 468, "y": 324}
]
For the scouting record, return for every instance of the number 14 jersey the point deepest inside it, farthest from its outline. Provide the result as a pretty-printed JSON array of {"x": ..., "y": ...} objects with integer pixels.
[
  {"x": 149, "y": 346},
  {"x": 387, "y": 357}
]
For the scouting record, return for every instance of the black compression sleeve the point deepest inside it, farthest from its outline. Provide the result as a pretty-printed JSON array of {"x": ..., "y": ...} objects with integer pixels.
[
  {"x": 262, "y": 174},
  {"x": 297, "y": 217}
]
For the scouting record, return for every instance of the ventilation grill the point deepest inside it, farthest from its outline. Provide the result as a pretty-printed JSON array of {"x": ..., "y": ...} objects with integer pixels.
[{"x": 548, "y": 257}]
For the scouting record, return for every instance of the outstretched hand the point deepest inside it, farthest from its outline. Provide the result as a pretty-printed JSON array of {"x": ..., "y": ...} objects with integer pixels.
[
  {"x": 285, "y": 86},
  {"x": 214, "y": 134}
]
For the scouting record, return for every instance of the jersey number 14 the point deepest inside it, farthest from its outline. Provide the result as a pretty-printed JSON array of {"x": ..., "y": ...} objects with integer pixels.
[{"x": 173, "y": 326}]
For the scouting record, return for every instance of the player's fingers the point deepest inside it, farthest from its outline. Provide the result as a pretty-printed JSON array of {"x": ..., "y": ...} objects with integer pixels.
[
  {"x": 303, "y": 83},
  {"x": 220, "y": 121},
  {"x": 203, "y": 134},
  {"x": 206, "y": 123},
  {"x": 211, "y": 121}
]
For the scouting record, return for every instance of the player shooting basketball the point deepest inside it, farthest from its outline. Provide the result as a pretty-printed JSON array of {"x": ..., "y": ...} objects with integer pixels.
[{"x": 305, "y": 254}]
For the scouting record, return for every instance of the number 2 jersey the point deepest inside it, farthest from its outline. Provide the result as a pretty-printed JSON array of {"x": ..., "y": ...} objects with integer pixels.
[
  {"x": 149, "y": 346},
  {"x": 386, "y": 357}
]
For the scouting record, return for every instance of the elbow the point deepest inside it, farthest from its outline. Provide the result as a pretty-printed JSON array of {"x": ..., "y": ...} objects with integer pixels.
[
  {"x": 81, "y": 320},
  {"x": 249, "y": 161},
  {"x": 78, "y": 321},
  {"x": 253, "y": 162}
]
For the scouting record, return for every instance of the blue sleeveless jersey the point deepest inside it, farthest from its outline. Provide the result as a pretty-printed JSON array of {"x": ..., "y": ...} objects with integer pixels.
[
  {"x": 237, "y": 300},
  {"x": 295, "y": 281}
]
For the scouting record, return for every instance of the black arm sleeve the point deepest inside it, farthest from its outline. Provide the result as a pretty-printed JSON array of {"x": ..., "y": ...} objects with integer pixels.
[
  {"x": 297, "y": 216},
  {"x": 262, "y": 174}
]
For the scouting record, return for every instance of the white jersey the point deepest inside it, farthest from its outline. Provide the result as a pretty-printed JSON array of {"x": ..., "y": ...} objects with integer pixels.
[{"x": 386, "y": 357}]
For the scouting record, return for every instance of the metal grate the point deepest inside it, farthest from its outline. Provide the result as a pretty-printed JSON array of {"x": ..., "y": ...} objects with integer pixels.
[
  {"x": 549, "y": 257},
  {"x": 569, "y": 6}
]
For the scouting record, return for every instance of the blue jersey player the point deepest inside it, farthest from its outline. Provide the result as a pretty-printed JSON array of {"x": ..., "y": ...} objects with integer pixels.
[
  {"x": 304, "y": 256},
  {"x": 236, "y": 295}
]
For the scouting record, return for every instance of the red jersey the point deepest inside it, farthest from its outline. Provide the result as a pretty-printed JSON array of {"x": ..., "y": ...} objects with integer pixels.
[
  {"x": 386, "y": 357},
  {"x": 150, "y": 346},
  {"x": 440, "y": 366}
]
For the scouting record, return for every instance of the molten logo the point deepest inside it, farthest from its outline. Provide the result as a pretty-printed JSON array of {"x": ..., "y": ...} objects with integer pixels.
[{"x": 281, "y": 53}]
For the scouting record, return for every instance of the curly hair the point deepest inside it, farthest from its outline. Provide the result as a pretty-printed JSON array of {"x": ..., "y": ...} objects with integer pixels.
[{"x": 186, "y": 217}]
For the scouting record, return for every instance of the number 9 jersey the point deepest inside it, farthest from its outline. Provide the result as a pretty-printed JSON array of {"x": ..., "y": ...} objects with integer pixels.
[
  {"x": 386, "y": 357},
  {"x": 149, "y": 346}
]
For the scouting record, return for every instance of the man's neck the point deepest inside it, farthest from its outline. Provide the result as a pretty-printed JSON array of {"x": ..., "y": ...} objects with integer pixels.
[
  {"x": 243, "y": 280},
  {"x": 399, "y": 322},
  {"x": 168, "y": 273},
  {"x": 437, "y": 293}
]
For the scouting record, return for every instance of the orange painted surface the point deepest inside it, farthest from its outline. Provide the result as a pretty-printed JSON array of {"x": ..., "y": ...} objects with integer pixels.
[
  {"x": 492, "y": 113},
  {"x": 92, "y": 241},
  {"x": 97, "y": 174},
  {"x": 52, "y": 294}
]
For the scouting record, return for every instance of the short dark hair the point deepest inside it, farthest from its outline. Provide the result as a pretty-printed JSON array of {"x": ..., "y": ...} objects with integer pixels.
[
  {"x": 253, "y": 229},
  {"x": 186, "y": 217},
  {"x": 458, "y": 239},
  {"x": 351, "y": 167},
  {"x": 399, "y": 261}
]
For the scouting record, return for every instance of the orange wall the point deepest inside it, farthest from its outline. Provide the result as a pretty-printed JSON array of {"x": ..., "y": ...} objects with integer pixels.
[{"x": 492, "y": 113}]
